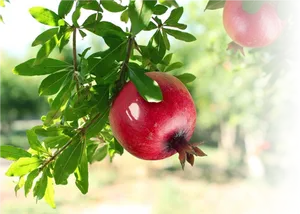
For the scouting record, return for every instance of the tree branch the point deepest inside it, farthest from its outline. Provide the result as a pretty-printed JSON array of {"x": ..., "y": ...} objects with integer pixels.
[{"x": 75, "y": 61}]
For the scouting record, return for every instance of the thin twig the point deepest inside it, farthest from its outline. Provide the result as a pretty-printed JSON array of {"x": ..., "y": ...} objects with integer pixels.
[
  {"x": 120, "y": 83},
  {"x": 75, "y": 61}
]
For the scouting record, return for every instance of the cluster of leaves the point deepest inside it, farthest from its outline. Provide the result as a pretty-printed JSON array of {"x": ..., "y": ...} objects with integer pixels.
[{"x": 76, "y": 131}]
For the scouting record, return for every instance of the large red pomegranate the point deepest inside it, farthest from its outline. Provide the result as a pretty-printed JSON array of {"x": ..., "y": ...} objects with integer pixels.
[
  {"x": 251, "y": 30},
  {"x": 154, "y": 131}
]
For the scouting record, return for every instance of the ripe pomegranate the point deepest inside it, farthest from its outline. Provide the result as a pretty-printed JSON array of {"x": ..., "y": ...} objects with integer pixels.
[
  {"x": 154, "y": 131},
  {"x": 251, "y": 30}
]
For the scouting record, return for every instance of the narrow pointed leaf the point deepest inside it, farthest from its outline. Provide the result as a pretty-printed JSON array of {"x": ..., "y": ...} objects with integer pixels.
[
  {"x": 49, "y": 193},
  {"x": 99, "y": 154},
  {"x": 174, "y": 16},
  {"x": 112, "y": 6},
  {"x": 173, "y": 66},
  {"x": 67, "y": 162},
  {"x": 214, "y": 4},
  {"x": 34, "y": 142},
  {"x": 96, "y": 17},
  {"x": 52, "y": 84},
  {"x": 82, "y": 174},
  {"x": 98, "y": 125},
  {"x": 65, "y": 7},
  {"x": 186, "y": 78},
  {"x": 23, "y": 166},
  {"x": 40, "y": 187},
  {"x": 29, "y": 180},
  {"x": 187, "y": 37},
  {"x": 48, "y": 66},
  {"x": 20, "y": 184},
  {"x": 44, "y": 37},
  {"x": 147, "y": 88},
  {"x": 46, "y": 16},
  {"x": 140, "y": 13},
  {"x": 13, "y": 153},
  {"x": 57, "y": 141}
]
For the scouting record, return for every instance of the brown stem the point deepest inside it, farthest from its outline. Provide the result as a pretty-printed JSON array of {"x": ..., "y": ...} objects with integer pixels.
[
  {"x": 120, "y": 83},
  {"x": 75, "y": 61}
]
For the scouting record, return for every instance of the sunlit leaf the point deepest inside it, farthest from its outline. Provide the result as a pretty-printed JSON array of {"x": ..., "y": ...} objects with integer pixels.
[
  {"x": 56, "y": 141},
  {"x": 40, "y": 187},
  {"x": 34, "y": 142},
  {"x": 46, "y": 16},
  {"x": 23, "y": 166},
  {"x": 49, "y": 193},
  {"x": 124, "y": 16},
  {"x": 140, "y": 13},
  {"x": 20, "y": 184}
]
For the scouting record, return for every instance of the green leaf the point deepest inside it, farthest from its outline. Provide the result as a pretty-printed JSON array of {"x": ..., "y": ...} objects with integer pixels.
[
  {"x": 48, "y": 66},
  {"x": 186, "y": 78},
  {"x": 64, "y": 40},
  {"x": 99, "y": 154},
  {"x": 187, "y": 37},
  {"x": 167, "y": 59},
  {"x": 82, "y": 174},
  {"x": 64, "y": 7},
  {"x": 159, "y": 9},
  {"x": 49, "y": 193},
  {"x": 252, "y": 6},
  {"x": 140, "y": 13},
  {"x": 34, "y": 142},
  {"x": 20, "y": 184},
  {"x": 115, "y": 148},
  {"x": 147, "y": 87},
  {"x": 214, "y": 4},
  {"x": 48, "y": 131},
  {"x": 124, "y": 16},
  {"x": 23, "y": 166},
  {"x": 169, "y": 3},
  {"x": 75, "y": 17},
  {"x": 57, "y": 141},
  {"x": 52, "y": 83},
  {"x": 13, "y": 153},
  {"x": 166, "y": 40},
  {"x": 151, "y": 26},
  {"x": 46, "y": 16},
  {"x": 44, "y": 37},
  {"x": 156, "y": 47},
  {"x": 40, "y": 187},
  {"x": 98, "y": 125},
  {"x": 174, "y": 16},
  {"x": 106, "y": 29},
  {"x": 67, "y": 162},
  {"x": 112, "y": 6},
  {"x": 90, "y": 151},
  {"x": 45, "y": 50},
  {"x": 29, "y": 180},
  {"x": 178, "y": 25},
  {"x": 90, "y": 5},
  {"x": 82, "y": 33},
  {"x": 1, "y": 19},
  {"x": 96, "y": 17},
  {"x": 173, "y": 66},
  {"x": 283, "y": 9}
]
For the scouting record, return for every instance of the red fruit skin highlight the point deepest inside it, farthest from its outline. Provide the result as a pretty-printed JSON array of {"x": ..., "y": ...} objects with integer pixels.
[
  {"x": 145, "y": 129},
  {"x": 251, "y": 30}
]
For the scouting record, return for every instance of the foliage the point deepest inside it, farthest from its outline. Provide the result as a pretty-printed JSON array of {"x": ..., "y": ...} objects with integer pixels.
[{"x": 75, "y": 131}]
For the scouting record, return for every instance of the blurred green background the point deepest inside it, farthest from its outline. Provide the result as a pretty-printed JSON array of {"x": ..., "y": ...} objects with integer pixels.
[{"x": 246, "y": 118}]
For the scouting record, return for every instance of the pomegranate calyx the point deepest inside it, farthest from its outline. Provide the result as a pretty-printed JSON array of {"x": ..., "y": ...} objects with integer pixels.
[
  {"x": 235, "y": 48},
  {"x": 187, "y": 151}
]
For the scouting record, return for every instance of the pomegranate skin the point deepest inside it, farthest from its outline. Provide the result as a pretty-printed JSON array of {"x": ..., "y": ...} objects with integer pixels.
[
  {"x": 251, "y": 30},
  {"x": 145, "y": 129}
]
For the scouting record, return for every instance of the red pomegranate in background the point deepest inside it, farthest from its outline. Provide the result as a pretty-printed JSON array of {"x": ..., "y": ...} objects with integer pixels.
[
  {"x": 251, "y": 30},
  {"x": 154, "y": 131}
]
